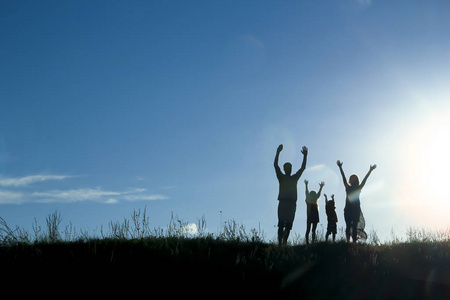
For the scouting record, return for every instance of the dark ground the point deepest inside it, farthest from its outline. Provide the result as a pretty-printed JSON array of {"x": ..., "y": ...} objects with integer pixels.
[{"x": 172, "y": 268}]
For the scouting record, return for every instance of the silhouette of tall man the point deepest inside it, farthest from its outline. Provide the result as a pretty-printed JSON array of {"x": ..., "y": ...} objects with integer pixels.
[{"x": 287, "y": 195}]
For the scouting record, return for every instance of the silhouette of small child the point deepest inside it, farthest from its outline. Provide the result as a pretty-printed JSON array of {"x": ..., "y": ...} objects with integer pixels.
[
  {"x": 312, "y": 211},
  {"x": 332, "y": 219}
]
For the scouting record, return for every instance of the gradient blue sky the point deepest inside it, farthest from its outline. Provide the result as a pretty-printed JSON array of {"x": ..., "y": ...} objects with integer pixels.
[{"x": 179, "y": 106}]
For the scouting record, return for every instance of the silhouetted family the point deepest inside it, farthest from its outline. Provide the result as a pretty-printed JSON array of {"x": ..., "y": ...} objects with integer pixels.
[{"x": 287, "y": 203}]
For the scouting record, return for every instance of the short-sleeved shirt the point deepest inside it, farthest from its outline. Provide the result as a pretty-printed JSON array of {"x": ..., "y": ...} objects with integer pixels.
[
  {"x": 288, "y": 185},
  {"x": 331, "y": 213}
]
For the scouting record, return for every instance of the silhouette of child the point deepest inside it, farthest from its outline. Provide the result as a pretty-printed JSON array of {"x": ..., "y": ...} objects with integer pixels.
[
  {"x": 330, "y": 208},
  {"x": 287, "y": 195},
  {"x": 354, "y": 219},
  {"x": 312, "y": 211}
]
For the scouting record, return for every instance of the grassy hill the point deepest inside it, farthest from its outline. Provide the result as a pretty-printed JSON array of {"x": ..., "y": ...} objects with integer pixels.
[{"x": 207, "y": 266}]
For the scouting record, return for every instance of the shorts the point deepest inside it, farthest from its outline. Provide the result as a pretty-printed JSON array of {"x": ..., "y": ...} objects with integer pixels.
[
  {"x": 286, "y": 213},
  {"x": 313, "y": 214}
]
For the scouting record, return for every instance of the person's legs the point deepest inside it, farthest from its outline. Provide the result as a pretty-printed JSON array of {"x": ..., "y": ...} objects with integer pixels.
[
  {"x": 281, "y": 221},
  {"x": 286, "y": 215},
  {"x": 347, "y": 229},
  {"x": 314, "y": 232},
  {"x": 329, "y": 230},
  {"x": 280, "y": 234},
  {"x": 287, "y": 229},
  {"x": 355, "y": 217},
  {"x": 308, "y": 229},
  {"x": 286, "y": 235},
  {"x": 334, "y": 231},
  {"x": 354, "y": 231}
]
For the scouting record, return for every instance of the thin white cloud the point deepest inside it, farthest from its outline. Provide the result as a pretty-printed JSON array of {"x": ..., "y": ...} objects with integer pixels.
[
  {"x": 98, "y": 195},
  {"x": 77, "y": 195},
  {"x": 67, "y": 196},
  {"x": 111, "y": 201},
  {"x": 24, "y": 181},
  {"x": 8, "y": 197},
  {"x": 144, "y": 197}
]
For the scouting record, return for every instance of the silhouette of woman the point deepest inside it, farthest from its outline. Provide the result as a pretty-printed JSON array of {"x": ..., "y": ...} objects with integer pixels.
[{"x": 354, "y": 219}]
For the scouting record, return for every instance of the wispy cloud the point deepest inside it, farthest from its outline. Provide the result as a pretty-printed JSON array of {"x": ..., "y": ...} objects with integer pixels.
[
  {"x": 8, "y": 197},
  {"x": 17, "y": 196},
  {"x": 78, "y": 195},
  {"x": 24, "y": 181},
  {"x": 97, "y": 195},
  {"x": 132, "y": 198}
]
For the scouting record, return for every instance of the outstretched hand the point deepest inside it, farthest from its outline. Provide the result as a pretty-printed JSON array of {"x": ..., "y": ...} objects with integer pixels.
[
  {"x": 373, "y": 167},
  {"x": 306, "y": 182},
  {"x": 322, "y": 184},
  {"x": 304, "y": 150},
  {"x": 339, "y": 163}
]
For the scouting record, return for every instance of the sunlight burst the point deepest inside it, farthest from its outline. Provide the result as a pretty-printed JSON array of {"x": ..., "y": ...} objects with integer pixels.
[
  {"x": 426, "y": 164},
  {"x": 433, "y": 157}
]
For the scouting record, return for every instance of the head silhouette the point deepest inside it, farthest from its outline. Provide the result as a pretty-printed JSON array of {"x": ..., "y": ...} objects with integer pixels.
[
  {"x": 287, "y": 168},
  {"x": 313, "y": 194},
  {"x": 330, "y": 205},
  {"x": 354, "y": 180}
]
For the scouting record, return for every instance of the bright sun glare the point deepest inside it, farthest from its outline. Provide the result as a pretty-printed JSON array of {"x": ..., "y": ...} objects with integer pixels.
[
  {"x": 433, "y": 155},
  {"x": 427, "y": 165}
]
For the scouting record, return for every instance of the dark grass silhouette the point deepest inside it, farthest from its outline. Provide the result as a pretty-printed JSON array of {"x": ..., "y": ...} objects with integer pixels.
[
  {"x": 233, "y": 264},
  {"x": 337, "y": 271}
]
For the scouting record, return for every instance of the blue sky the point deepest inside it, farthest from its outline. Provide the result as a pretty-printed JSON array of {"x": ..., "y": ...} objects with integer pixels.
[{"x": 179, "y": 106}]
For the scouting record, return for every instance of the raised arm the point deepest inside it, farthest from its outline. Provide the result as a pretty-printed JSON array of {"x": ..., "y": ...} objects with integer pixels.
[
  {"x": 372, "y": 167},
  {"x": 306, "y": 188},
  {"x": 275, "y": 163},
  {"x": 303, "y": 167},
  {"x": 339, "y": 163},
  {"x": 320, "y": 189}
]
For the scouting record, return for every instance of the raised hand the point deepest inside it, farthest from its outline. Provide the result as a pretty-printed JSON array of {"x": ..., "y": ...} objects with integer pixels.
[
  {"x": 339, "y": 163},
  {"x": 322, "y": 184},
  {"x": 280, "y": 148},
  {"x": 304, "y": 150},
  {"x": 373, "y": 167}
]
